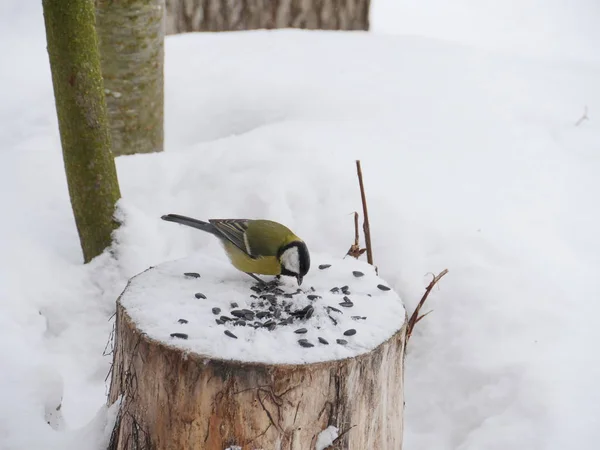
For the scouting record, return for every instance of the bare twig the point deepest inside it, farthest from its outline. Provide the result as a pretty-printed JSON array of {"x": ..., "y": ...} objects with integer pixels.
[
  {"x": 366, "y": 228},
  {"x": 355, "y": 251},
  {"x": 338, "y": 439},
  {"x": 582, "y": 118},
  {"x": 415, "y": 317}
]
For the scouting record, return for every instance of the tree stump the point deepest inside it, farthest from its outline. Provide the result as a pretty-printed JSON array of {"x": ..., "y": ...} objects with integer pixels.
[
  {"x": 184, "y": 16},
  {"x": 294, "y": 362}
]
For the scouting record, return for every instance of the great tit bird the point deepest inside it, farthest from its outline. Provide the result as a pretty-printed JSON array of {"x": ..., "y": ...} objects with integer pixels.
[{"x": 256, "y": 246}]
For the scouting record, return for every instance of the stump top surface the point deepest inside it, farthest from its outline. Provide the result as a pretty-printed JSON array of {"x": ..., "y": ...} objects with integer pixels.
[{"x": 163, "y": 300}]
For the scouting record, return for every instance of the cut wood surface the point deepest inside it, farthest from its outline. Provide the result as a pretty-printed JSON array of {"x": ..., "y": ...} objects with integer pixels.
[{"x": 177, "y": 398}]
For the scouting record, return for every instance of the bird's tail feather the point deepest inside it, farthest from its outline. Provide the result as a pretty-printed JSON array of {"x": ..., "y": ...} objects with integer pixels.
[{"x": 190, "y": 222}]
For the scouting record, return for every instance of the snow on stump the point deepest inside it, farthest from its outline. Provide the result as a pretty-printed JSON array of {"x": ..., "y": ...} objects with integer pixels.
[{"x": 206, "y": 358}]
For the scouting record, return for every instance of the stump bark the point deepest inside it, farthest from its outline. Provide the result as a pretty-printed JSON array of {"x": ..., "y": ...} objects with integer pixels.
[{"x": 176, "y": 399}]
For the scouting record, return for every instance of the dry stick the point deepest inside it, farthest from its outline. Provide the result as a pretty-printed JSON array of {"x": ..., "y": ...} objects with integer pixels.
[
  {"x": 337, "y": 439},
  {"x": 582, "y": 118},
  {"x": 355, "y": 251},
  {"x": 366, "y": 228},
  {"x": 414, "y": 318},
  {"x": 356, "y": 233}
]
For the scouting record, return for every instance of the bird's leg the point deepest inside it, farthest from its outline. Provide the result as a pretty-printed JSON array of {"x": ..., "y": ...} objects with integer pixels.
[{"x": 256, "y": 278}]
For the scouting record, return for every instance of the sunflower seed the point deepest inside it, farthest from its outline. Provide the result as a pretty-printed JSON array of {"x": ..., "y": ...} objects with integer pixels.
[
  {"x": 234, "y": 305},
  {"x": 237, "y": 313},
  {"x": 331, "y": 308},
  {"x": 347, "y": 304},
  {"x": 350, "y": 332},
  {"x": 240, "y": 323},
  {"x": 345, "y": 288},
  {"x": 182, "y": 321},
  {"x": 358, "y": 317},
  {"x": 253, "y": 296},
  {"x": 324, "y": 266},
  {"x": 272, "y": 326},
  {"x": 192, "y": 275},
  {"x": 262, "y": 314},
  {"x": 288, "y": 295},
  {"x": 305, "y": 343},
  {"x": 301, "y": 331},
  {"x": 268, "y": 323},
  {"x": 309, "y": 312},
  {"x": 225, "y": 318},
  {"x": 383, "y": 287},
  {"x": 230, "y": 334},
  {"x": 335, "y": 290},
  {"x": 179, "y": 335},
  {"x": 341, "y": 341},
  {"x": 323, "y": 341},
  {"x": 219, "y": 321},
  {"x": 248, "y": 315},
  {"x": 357, "y": 273},
  {"x": 332, "y": 319},
  {"x": 313, "y": 296},
  {"x": 216, "y": 311},
  {"x": 200, "y": 295}
]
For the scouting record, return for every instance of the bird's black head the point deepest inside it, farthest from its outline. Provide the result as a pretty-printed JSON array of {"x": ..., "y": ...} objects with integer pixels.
[{"x": 295, "y": 260}]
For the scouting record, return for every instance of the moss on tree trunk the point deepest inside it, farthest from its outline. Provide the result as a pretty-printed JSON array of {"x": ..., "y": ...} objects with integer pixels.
[
  {"x": 82, "y": 120},
  {"x": 131, "y": 35}
]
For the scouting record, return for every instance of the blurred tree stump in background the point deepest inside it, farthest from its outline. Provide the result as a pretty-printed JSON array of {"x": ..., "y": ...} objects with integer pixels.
[{"x": 236, "y": 15}]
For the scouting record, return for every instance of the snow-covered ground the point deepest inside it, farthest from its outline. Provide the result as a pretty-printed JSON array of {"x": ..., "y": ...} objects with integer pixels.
[{"x": 472, "y": 162}]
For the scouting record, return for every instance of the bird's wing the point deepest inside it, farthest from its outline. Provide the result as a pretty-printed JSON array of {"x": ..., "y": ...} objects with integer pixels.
[{"x": 234, "y": 230}]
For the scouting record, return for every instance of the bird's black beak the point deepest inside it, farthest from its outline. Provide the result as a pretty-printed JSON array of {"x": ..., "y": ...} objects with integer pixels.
[{"x": 299, "y": 278}]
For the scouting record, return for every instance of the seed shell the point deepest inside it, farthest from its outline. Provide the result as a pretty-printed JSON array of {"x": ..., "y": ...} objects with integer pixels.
[
  {"x": 179, "y": 335},
  {"x": 230, "y": 334}
]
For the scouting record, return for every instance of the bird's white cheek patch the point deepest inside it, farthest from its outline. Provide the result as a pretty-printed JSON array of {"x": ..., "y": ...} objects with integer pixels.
[{"x": 291, "y": 260}]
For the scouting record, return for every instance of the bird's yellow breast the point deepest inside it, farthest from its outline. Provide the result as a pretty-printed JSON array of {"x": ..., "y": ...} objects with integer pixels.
[{"x": 266, "y": 265}]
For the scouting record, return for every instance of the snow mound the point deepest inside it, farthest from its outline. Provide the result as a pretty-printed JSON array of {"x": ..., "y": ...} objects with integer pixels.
[{"x": 202, "y": 305}]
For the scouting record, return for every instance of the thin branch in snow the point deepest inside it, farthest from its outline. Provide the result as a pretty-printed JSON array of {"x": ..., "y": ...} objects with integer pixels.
[
  {"x": 366, "y": 227},
  {"x": 355, "y": 251},
  {"x": 416, "y": 317},
  {"x": 583, "y": 117}
]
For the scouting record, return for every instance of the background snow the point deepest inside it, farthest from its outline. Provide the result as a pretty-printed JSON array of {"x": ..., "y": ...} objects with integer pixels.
[{"x": 471, "y": 162}]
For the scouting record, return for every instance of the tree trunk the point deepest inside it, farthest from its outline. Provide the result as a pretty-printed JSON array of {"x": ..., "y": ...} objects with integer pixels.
[
  {"x": 131, "y": 35},
  {"x": 173, "y": 400},
  {"x": 82, "y": 119},
  {"x": 233, "y": 15},
  {"x": 176, "y": 398}
]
